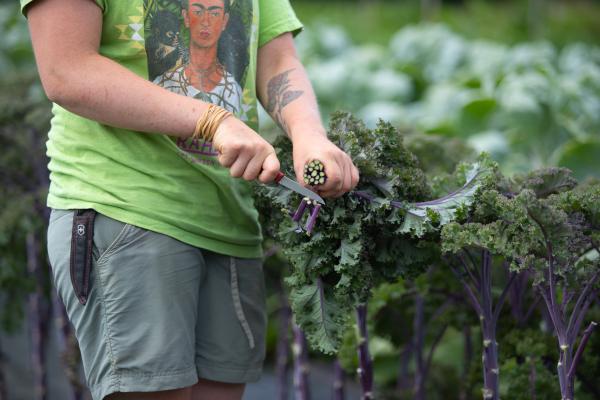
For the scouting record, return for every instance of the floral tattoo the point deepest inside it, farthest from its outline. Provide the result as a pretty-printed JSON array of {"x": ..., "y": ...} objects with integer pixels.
[{"x": 280, "y": 95}]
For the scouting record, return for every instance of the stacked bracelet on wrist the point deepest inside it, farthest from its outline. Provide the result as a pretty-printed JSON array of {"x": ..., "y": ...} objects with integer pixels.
[{"x": 207, "y": 124}]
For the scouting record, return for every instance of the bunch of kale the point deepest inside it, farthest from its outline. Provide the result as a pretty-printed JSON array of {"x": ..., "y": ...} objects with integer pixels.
[{"x": 384, "y": 229}]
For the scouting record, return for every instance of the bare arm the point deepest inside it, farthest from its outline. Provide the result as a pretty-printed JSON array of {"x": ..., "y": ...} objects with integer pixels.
[
  {"x": 78, "y": 78},
  {"x": 286, "y": 93}
]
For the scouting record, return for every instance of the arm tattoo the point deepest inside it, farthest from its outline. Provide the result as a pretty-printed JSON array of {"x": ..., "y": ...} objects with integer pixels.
[{"x": 280, "y": 95}]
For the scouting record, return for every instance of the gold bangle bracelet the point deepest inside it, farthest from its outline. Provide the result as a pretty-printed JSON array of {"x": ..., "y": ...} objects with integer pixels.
[{"x": 209, "y": 121}]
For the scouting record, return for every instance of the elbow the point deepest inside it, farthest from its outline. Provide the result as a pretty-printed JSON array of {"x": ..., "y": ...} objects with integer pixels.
[
  {"x": 61, "y": 85},
  {"x": 55, "y": 87}
]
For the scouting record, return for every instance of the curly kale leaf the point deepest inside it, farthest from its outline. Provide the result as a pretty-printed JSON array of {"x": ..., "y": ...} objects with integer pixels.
[
  {"x": 320, "y": 316},
  {"x": 422, "y": 217},
  {"x": 548, "y": 181}
]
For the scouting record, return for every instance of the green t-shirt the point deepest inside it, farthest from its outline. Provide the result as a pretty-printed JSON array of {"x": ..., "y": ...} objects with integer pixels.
[{"x": 172, "y": 186}]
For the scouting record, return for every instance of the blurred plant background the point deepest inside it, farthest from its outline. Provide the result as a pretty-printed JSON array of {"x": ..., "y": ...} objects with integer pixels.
[{"x": 519, "y": 79}]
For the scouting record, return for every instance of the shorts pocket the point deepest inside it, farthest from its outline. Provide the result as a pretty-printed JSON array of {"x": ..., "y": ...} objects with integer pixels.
[
  {"x": 120, "y": 240},
  {"x": 110, "y": 235}
]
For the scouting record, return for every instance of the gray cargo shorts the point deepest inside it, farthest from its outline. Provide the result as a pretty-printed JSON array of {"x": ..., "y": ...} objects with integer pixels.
[{"x": 160, "y": 313}]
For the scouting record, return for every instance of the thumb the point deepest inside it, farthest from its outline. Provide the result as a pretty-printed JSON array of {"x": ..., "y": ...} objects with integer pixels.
[{"x": 270, "y": 168}]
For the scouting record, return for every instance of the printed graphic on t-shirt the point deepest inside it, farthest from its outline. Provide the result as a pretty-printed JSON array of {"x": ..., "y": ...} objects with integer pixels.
[{"x": 200, "y": 48}]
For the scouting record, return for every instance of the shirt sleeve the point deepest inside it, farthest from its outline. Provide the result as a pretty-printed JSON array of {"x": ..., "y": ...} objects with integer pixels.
[
  {"x": 276, "y": 17},
  {"x": 25, "y": 3}
]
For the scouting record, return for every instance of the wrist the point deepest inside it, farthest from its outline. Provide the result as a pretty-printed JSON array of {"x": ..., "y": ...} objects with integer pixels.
[{"x": 301, "y": 132}]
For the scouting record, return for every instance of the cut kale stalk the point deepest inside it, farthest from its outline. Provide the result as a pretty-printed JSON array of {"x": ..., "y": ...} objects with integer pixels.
[
  {"x": 314, "y": 173},
  {"x": 313, "y": 219},
  {"x": 300, "y": 211}
]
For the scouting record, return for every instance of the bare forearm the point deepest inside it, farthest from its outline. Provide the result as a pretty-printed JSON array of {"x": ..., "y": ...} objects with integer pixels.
[
  {"x": 287, "y": 94},
  {"x": 102, "y": 90},
  {"x": 78, "y": 78},
  {"x": 98, "y": 88}
]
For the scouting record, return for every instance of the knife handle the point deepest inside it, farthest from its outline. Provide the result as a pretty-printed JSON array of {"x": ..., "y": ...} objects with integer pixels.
[{"x": 279, "y": 176}]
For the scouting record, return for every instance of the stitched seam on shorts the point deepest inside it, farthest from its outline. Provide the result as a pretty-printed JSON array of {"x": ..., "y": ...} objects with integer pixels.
[
  {"x": 115, "y": 376},
  {"x": 164, "y": 373},
  {"x": 116, "y": 243},
  {"x": 237, "y": 304}
]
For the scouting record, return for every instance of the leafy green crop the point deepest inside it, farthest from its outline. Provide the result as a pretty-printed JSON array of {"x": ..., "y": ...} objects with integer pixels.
[
  {"x": 545, "y": 225},
  {"x": 375, "y": 234}
]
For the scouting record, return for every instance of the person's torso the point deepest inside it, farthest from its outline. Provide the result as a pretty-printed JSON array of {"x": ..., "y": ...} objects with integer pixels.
[{"x": 169, "y": 185}]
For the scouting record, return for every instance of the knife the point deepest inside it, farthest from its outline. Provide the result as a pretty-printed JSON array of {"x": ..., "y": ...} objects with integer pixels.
[{"x": 294, "y": 186}]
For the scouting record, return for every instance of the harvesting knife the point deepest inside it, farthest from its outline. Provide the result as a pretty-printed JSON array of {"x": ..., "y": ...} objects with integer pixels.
[{"x": 296, "y": 187}]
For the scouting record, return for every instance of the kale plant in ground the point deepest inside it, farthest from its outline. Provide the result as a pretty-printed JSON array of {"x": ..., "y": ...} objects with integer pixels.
[
  {"x": 544, "y": 225},
  {"x": 538, "y": 228}
]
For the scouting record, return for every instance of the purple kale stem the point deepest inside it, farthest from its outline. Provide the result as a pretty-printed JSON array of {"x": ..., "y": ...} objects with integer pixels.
[
  {"x": 488, "y": 317},
  {"x": 566, "y": 298},
  {"x": 338, "y": 381},
  {"x": 502, "y": 297},
  {"x": 554, "y": 312},
  {"x": 420, "y": 328},
  {"x": 365, "y": 369},
  {"x": 551, "y": 274},
  {"x": 3, "y": 389},
  {"x": 579, "y": 304},
  {"x": 364, "y": 195},
  {"x": 434, "y": 345},
  {"x": 301, "y": 367},
  {"x": 418, "y": 339},
  {"x": 468, "y": 270},
  {"x": 467, "y": 358},
  {"x": 470, "y": 294},
  {"x": 400, "y": 204},
  {"x": 282, "y": 358},
  {"x": 38, "y": 320},
  {"x": 299, "y": 211},
  {"x": 567, "y": 364},
  {"x": 584, "y": 339},
  {"x": 532, "y": 378},
  {"x": 403, "y": 381},
  {"x": 577, "y": 327},
  {"x": 313, "y": 219},
  {"x": 516, "y": 296},
  {"x": 543, "y": 292},
  {"x": 532, "y": 307},
  {"x": 488, "y": 328}
]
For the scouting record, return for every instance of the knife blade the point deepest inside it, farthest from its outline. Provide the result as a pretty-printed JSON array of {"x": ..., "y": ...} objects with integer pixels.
[{"x": 296, "y": 187}]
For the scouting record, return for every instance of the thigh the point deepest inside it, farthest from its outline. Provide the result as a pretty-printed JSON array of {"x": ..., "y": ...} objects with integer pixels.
[
  {"x": 231, "y": 326},
  {"x": 137, "y": 330},
  {"x": 179, "y": 394},
  {"x": 211, "y": 390}
]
